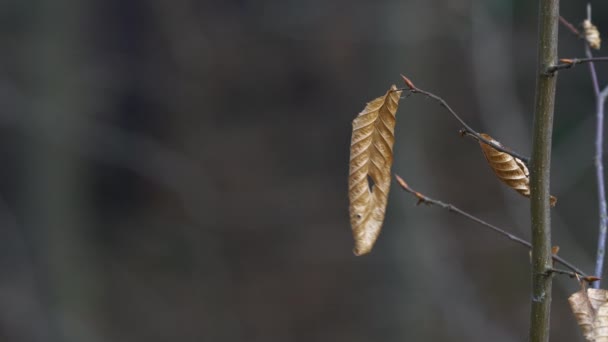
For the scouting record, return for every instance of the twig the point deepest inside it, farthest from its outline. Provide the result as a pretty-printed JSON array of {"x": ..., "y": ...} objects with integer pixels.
[
  {"x": 427, "y": 200},
  {"x": 594, "y": 81},
  {"x": 601, "y": 187},
  {"x": 570, "y": 27},
  {"x": 600, "y": 100},
  {"x": 564, "y": 272},
  {"x": 467, "y": 129},
  {"x": 567, "y": 63}
]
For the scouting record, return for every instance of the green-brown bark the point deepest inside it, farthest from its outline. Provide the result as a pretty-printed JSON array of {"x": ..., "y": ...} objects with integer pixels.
[{"x": 540, "y": 163}]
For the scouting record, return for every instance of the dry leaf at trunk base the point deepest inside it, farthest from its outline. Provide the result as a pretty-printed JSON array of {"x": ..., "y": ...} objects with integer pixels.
[
  {"x": 510, "y": 170},
  {"x": 590, "y": 309},
  {"x": 371, "y": 157}
]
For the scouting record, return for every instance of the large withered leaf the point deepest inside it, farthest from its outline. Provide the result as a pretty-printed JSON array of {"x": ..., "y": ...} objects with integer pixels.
[
  {"x": 510, "y": 170},
  {"x": 371, "y": 157},
  {"x": 590, "y": 309}
]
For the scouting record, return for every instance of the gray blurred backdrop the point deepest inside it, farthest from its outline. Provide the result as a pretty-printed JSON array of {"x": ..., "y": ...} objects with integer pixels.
[{"x": 177, "y": 170}]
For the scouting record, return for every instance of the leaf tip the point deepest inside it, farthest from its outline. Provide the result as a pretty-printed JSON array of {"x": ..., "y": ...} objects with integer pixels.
[{"x": 359, "y": 250}]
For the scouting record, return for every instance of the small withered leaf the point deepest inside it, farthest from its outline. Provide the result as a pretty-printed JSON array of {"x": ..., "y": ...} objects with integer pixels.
[
  {"x": 590, "y": 308},
  {"x": 371, "y": 158},
  {"x": 592, "y": 35},
  {"x": 509, "y": 170}
]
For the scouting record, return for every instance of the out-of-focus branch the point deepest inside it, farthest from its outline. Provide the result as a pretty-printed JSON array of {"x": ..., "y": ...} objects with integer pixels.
[
  {"x": 467, "y": 129},
  {"x": 600, "y": 100},
  {"x": 570, "y": 27},
  {"x": 427, "y": 200},
  {"x": 601, "y": 187},
  {"x": 594, "y": 79},
  {"x": 592, "y": 72}
]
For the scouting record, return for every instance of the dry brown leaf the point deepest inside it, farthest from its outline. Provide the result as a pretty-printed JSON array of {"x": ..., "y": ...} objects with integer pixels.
[
  {"x": 600, "y": 325},
  {"x": 590, "y": 309},
  {"x": 592, "y": 35},
  {"x": 371, "y": 157},
  {"x": 583, "y": 313},
  {"x": 510, "y": 170}
]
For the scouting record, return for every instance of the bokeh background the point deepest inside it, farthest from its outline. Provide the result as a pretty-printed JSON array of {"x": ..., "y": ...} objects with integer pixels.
[{"x": 177, "y": 170}]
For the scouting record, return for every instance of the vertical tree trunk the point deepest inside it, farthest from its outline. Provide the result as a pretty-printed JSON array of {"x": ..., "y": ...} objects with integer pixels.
[{"x": 540, "y": 171}]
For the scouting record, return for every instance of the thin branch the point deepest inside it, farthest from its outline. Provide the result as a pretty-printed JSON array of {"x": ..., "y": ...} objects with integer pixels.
[
  {"x": 427, "y": 200},
  {"x": 564, "y": 272},
  {"x": 601, "y": 187},
  {"x": 467, "y": 129},
  {"x": 600, "y": 100},
  {"x": 594, "y": 81},
  {"x": 570, "y": 27},
  {"x": 567, "y": 63}
]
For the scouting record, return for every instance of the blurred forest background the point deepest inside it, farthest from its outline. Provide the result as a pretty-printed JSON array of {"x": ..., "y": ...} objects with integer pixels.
[{"x": 177, "y": 170}]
